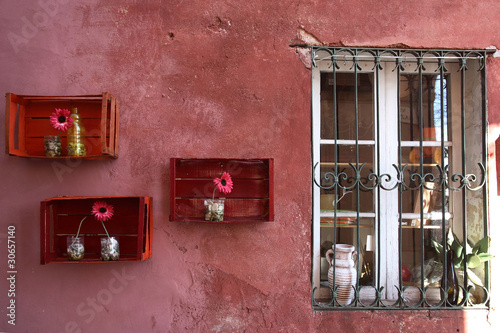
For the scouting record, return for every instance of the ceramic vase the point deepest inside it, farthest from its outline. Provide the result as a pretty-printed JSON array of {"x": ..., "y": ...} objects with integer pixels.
[{"x": 344, "y": 271}]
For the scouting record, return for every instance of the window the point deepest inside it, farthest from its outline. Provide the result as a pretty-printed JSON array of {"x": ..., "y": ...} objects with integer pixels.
[{"x": 398, "y": 171}]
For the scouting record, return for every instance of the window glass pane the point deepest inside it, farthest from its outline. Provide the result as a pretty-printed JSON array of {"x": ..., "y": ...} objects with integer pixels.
[
  {"x": 347, "y": 154},
  {"x": 346, "y": 106},
  {"x": 346, "y": 170},
  {"x": 431, "y": 193},
  {"x": 425, "y": 111}
]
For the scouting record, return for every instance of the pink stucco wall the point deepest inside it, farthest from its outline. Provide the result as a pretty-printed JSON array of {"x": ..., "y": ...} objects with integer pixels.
[{"x": 202, "y": 79}]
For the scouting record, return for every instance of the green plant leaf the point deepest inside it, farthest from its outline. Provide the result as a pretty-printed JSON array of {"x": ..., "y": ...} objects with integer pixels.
[
  {"x": 454, "y": 244},
  {"x": 474, "y": 278},
  {"x": 457, "y": 262},
  {"x": 481, "y": 246},
  {"x": 473, "y": 260},
  {"x": 457, "y": 248},
  {"x": 485, "y": 256},
  {"x": 450, "y": 237},
  {"x": 438, "y": 247}
]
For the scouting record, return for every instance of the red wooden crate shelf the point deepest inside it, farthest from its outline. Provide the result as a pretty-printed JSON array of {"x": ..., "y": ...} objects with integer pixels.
[
  {"x": 131, "y": 223},
  {"x": 27, "y": 122},
  {"x": 251, "y": 200}
]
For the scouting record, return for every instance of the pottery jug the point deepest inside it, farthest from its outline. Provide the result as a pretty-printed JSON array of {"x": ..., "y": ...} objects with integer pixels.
[{"x": 344, "y": 271}]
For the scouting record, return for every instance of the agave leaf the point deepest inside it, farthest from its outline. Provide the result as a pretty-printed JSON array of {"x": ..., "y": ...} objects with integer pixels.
[
  {"x": 454, "y": 243},
  {"x": 485, "y": 256},
  {"x": 457, "y": 248},
  {"x": 474, "y": 278},
  {"x": 438, "y": 247},
  {"x": 450, "y": 237},
  {"x": 468, "y": 247},
  {"x": 473, "y": 260},
  {"x": 481, "y": 246},
  {"x": 457, "y": 262}
]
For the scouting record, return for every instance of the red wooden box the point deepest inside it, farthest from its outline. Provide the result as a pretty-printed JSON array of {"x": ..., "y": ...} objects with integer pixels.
[
  {"x": 27, "y": 122},
  {"x": 251, "y": 200},
  {"x": 131, "y": 223}
]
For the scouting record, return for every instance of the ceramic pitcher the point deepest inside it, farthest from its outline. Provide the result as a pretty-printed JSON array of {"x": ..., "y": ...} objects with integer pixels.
[{"x": 344, "y": 270}]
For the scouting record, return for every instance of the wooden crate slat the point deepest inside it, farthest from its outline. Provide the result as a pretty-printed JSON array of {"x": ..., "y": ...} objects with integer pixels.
[
  {"x": 147, "y": 250},
  {"x": 271, "y": 189},
  {"x": 140, "y": 230},
  {"x": 40, "y": 127},
  {"x": 93, "y": 258},
  {"x": 232, "y": 208},
  {"x": 211, "y": 169},
  {"x": 106, "y": 117},
  {"x": 14, "y": 110},
  {"x": 127, "y": 244},
  {"x": 242, "y": 188},
  {"x": 131, "y": 223},
  {"x": 118, "y": 224},
  {"x": 32, "y": 121},
  {"x": 45, "y": 241},
  {"x": 62, "y": 97},
  {"x": 116, "y": 121},
  {"x": 83, "y": 205},
  {"x": 251, "y": 199},
  {"x": 44, "y": 109},
  {"x": 9, "y": 115},
  {"x": 34, "y": 146}
]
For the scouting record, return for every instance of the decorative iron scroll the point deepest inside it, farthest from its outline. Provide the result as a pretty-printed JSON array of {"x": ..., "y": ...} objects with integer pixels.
[
  {"x": 400, "y": 57},
  {"x": 465, "y": 181},
  {"x": 402, "y": 301}
]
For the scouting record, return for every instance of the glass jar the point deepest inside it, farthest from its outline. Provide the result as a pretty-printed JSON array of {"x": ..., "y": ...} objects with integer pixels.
[
  {"x": 76, "y": 136},
  {"x": 53, "y": 147},
  {"x": 214, "y": 210},
  {"x": 110, "y": 249},
  {"x": 76, "y": 248}
]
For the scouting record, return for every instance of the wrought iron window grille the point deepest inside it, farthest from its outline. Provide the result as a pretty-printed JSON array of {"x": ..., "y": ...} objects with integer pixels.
[{"x": 340, "y": 177}]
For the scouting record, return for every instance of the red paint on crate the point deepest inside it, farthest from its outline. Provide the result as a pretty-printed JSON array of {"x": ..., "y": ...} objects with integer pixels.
[
  {"x": 27, "y": 122},
  {"x": 132, "y": 224},
  {"x": 251, "y": 200}
]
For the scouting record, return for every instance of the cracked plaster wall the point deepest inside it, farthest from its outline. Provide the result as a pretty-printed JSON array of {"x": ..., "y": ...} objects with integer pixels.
[{"x": 200, "y": 79}]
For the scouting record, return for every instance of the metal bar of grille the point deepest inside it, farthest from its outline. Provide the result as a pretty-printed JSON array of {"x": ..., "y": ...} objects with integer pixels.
[
  {"x": 377, "y": 219},
  {"x": 464, "y": 170},
  {"x": 358, "y": 204},
  {"x": 443, "y": 216},
  {"x": 485, "y": 145},
  {"x": 335, "y": 156},
  {"x": 400, "y": 187}
]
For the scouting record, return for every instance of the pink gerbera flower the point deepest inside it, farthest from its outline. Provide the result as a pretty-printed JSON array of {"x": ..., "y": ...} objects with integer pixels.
[
  {"x": 61, "y": 119},
  {"x": 102, "y": 211},
  {"x": 224, "y": 183}
]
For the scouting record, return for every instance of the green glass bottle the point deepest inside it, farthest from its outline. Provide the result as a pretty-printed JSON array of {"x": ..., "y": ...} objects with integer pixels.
[
  {"x": 452, "y": 280},
  {"x": 76, "y": 136}
]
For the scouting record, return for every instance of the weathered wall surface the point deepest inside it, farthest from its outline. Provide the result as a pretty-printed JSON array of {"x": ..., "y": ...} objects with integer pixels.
[{"x": 200, "y": 79}]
